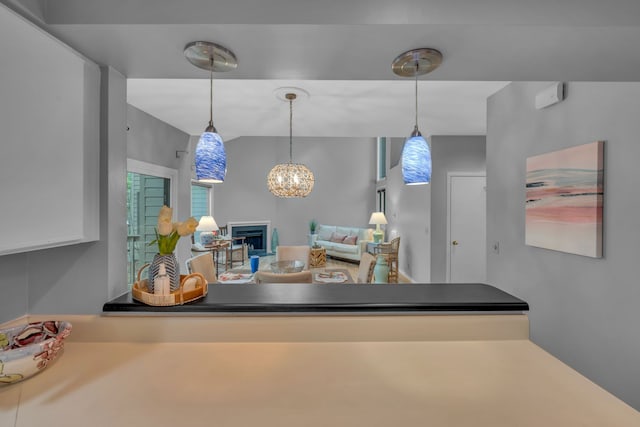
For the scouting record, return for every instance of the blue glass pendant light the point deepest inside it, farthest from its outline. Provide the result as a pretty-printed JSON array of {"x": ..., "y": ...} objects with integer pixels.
[
  {"x": 210, "y": 156},
  {"x": 416, "y": 160},
  {"x": 416, "y": 155}
]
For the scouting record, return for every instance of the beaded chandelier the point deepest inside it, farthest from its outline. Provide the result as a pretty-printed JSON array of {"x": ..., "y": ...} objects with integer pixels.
[{"x": 290, "y": 180}]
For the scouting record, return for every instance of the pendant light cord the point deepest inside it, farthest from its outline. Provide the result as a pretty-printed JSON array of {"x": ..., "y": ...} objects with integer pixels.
[
  {"x": 416, "y": 79},
  {"x": 211, "y": 92},
  {"x": 290, "y": 130}
]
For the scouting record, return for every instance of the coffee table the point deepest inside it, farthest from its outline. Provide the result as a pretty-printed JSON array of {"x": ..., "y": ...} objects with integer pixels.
[{"x": 349, "y": 279}]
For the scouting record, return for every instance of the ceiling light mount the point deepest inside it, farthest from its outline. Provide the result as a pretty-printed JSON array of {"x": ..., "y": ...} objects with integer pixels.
[
  {"x": 210, "y": 56},
  {"x": 281, "y": 93},
  {"x": 416, "y": 62}
]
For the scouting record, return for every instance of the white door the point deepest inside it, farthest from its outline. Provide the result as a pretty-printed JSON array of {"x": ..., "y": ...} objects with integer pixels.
[{"x": 467, "y": 235}]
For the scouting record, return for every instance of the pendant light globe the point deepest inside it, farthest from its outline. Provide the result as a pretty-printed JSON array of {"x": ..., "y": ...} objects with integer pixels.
[
  {"x": 290, "y": 180},
  {"x": 416, "y": 161},
  {"x": 210, "y": 158}
]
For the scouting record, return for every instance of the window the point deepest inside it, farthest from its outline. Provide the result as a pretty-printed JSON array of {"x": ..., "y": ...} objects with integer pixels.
[
  {"x": 381, "y": 194},
  {"x": 200, "y": 203},
  {"x": 382, "y": 159},
  {"x": 148, "y": 188}
]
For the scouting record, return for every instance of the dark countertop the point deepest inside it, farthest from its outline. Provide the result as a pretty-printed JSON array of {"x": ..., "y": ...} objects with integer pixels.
[{"x": 336, "y": 298}]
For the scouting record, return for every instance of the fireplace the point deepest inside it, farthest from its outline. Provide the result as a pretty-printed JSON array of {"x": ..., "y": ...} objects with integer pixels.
[{"x": 256, "y": 235}]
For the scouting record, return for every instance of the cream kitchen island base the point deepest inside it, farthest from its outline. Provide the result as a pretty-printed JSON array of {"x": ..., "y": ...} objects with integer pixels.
[{"x": 435, "y": 370}]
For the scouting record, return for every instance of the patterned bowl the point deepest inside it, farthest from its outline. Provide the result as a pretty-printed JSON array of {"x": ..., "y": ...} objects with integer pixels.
[
  {"x": 27, "y": 349},
  {"x": 280, "y": 267}
]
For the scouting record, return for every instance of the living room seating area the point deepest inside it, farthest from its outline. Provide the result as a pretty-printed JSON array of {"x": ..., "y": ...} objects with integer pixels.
[{"x": 344, "y": 242}]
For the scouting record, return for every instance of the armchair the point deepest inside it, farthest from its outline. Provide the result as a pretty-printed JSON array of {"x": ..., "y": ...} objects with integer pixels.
[
  {"x": 204, "y": 265},
  {"x": 235, "y": 251},
  {"x": 365, "y": 269},
  {"x": 269, "y": 277},
  {"x": 292, "y": 253}
]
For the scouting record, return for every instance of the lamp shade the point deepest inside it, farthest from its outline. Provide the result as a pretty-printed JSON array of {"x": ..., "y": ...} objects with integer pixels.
[
  {"x": 377, "y": 218},
  {"x": 206, "y": 226},
  {"x": 207, "y": 223},
  {"x": 210, "y": 158},
  {"x": 416, "y": 161}
]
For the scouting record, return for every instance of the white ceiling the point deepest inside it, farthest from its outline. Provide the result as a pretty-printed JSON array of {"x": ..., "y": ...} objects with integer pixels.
[
  {"x": 340, "y": 51},
  {"x": 344, "y": 108}
]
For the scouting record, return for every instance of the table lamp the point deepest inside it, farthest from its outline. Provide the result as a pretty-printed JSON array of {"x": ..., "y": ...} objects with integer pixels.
[
  {"x": 207, "y": 226},
  {"x": 378, "y": 218}
]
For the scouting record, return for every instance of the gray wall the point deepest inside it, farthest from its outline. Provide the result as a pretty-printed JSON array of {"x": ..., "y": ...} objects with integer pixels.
[
  {"x": 418, "y": 214},
  {"x": 583, "y": 310},
  {"x": 409, "y": 216},
  {"x": 14, "y": 287},
  {"x": 30, "y": 9},
  {"x": 450, "y": 154},
  {"x": 344, "y": 191},
  {"x": 18, "y": 272},
  {"x": 395, "y": 146},
  {"x": 74, "y": 278},
  {"x": 153, "y": 141},
  {"x": 80, "y": 278}
]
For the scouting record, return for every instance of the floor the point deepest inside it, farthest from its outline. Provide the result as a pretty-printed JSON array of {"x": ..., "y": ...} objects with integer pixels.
[{"x": 265, "y": 262}]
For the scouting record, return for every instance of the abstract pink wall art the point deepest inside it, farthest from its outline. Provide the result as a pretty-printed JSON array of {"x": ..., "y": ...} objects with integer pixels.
[{"x": 564, "y": 198}]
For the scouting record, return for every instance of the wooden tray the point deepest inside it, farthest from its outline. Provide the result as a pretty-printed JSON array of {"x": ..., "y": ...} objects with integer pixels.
[{"x": 140, "y": 291}]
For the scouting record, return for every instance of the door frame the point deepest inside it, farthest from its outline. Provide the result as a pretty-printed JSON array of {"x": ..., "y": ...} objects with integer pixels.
[
  {"x": 450, "y": 175},
  {"x": 145, "y": 168}
]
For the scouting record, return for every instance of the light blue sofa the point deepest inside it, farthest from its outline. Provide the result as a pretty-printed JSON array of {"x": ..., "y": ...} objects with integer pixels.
[{"x": 344, "y": 250}]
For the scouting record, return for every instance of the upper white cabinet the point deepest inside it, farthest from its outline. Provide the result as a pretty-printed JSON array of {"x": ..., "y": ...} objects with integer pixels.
[{"x": 49, "y": 140}]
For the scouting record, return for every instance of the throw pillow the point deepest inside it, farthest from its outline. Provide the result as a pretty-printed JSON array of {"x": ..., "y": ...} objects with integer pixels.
[
  {"x": 343, "y": 230},
  {"x": 350, "y": 240},
  {"x": 337, "y": 238},
  {"x": 325, "y": 232}
]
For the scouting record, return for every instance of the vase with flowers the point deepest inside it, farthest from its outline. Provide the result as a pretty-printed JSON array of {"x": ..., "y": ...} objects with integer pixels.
[{"x": 167, "y": 235}]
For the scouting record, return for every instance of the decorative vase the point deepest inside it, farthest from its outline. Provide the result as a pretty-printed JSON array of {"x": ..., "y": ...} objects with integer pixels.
[
  {"x": 381, "y": 270},
  {"x": 312, "y": 239},
  {"x": 172, "y": 268},
  {"x": 275, "y": 241}
]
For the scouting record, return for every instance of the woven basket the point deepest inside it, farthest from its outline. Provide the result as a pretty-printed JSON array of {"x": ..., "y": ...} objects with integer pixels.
[{"x": 140, "y": 291}]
